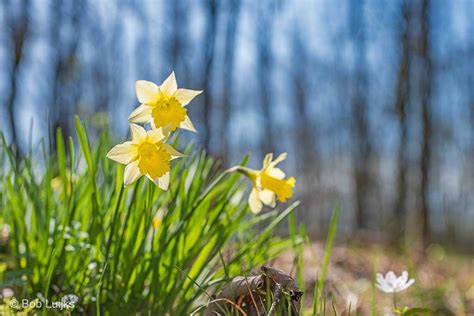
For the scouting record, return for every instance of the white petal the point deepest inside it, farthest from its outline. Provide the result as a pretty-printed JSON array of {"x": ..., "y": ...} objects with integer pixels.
[
  {"x": 379, "y": 286},
  {"x": 276, "y": 173},
  {"x": 164, "y": 129},
  {"x": 391, "y": 279},
  {"x": 403, "y": 278},
  {"x": 141, "y": 114},
  {"x": 184, "y": 96},
  {"x": 132, "y": 173},
  {"x": 155, "y": 135},
  {"x": 173, "y": 152},
  {"x": 267, "y": 197},
  {"x": 163, "y": 182},
  {"x": 169, "y": 86},
  {"x": 122, "y": 153},
  {"x": 266, "y": 161},
  {"x": 147, "y": 92},
  {"x": 254, "y": 202},
  {"x": 406, "y": 285},
  {"x": 258, "y": 182},
  {"x": 382, "y": 288},
  {"x": 380, "y": 280},
  {"x": 138, "y": 133},
  {"x": 279, "y": 159},
  {"x": 187, "y": 124}
]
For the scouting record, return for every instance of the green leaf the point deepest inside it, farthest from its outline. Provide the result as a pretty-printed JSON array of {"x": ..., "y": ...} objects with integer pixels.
[{"x": 416, "y": 311}]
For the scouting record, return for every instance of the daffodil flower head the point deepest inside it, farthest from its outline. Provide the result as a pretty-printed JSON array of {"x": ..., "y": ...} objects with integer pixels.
[
  {"x": 269, "y": 183},
  {"x": 146, "y": 154},
  {"x": 163, "y": 105},
  {"x": 393, "y": 284}
]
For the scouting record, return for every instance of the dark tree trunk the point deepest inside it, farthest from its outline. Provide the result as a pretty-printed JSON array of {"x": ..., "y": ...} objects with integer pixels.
[
  {"x": 425, "y": 87},
  {"x": 401, "y": 103},
  {"x": 228, "y": 72},
  {"x": 177, "y": 38},
  {"x": 210, "y": 43},
  {"x": 65, "y": 92},
  {"x": 19, "y": 28},
  {"x": 305, "y": 133},
  {"x": 266, "y": 14},
  {"x": 362, "y": 150}
]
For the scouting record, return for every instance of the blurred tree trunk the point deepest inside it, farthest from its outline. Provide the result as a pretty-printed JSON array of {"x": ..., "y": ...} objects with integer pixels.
[
  {"x": 468, "y": 85},
  {"x": 401, "y": 103},
  {"x": 425, "y": 93},
  {"x": 233, "y": 14},
  {"x": 265, "y": 13},
  {"x": 210, "y": 43},
  {"x": 110, "y": 66},
  {"x": 362, "y": 150},
  {"x": 177, "y": 38},
  {"x": 18, "y": 27},
  {"x": 65, "y": 63},
  {"x": 143, "y": 48},
  {"x": 305, "y": 134}
]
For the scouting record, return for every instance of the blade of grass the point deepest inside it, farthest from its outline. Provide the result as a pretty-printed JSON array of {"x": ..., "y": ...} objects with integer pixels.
[{"x": 328, "y": 251}]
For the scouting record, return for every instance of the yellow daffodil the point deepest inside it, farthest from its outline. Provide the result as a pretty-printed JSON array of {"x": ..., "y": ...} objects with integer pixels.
[
  {"x": 163, "y": 106},
  {"x": 158, "y": 219},
  {"x": 269, "y": 183},
  {"x": 147, "y": 154},
  {"x": 57, "y": 183},
  {"x": 156, "y": 223}
]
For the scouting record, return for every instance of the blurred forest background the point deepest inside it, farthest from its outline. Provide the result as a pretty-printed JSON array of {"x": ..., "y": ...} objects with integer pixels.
[{"x": 373, "y": 100}]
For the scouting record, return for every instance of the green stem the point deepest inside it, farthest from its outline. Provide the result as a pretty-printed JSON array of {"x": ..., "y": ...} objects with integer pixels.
[
  {"x": 213, "y": 184},
  {"x": 112, "y": 227}
]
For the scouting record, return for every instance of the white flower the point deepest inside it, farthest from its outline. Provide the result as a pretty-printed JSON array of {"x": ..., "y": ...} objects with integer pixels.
[
  {"x": 351, "y": 301},
  {"x": 393, "y": 284},
  {"x": 69, "y": 248},
  {"x": 7, "y": 292},
  {"x": 92, "y": 265},
  {"x": 70, "y": 299}
]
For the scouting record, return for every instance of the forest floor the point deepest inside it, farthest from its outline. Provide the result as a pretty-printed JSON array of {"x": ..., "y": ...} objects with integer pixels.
[{"x": 443, "y": 282}]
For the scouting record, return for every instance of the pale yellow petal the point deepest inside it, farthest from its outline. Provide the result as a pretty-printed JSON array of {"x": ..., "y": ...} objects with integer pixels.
[
  {"x": 276, "y": 173},
  {"x": 122, "y": 153},
  {"x": 169, "y": 86},
  {"x": 173, "y": 152},
  {"x": 279, "y": 159},
  {"x": 138, "y": 133},
  {"x": 147, "y": 92},
  {"x": 266, "y": 161},
  {"x": 258, "y": 181},
  {"x": 132, "y": 173},
  {"x": 267, "y": 197},
  {"x": 141, "y": 114},
  {"x": 155, "y": 135},
  {"x": 254, "y": 202},
  {"x": 188, "y": 125},
  {"x": 184, "y": 96},
  {"x": 163, "y": 182}
]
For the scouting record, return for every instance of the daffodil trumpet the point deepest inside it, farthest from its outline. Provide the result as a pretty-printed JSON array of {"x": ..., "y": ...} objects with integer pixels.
[
  {"x": 268, "y": 184},
  {"x": 146, "y": 154},
  {"x": 163, "y": 105}
]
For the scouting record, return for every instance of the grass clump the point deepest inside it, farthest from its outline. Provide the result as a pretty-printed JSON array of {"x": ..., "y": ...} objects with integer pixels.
[{"x": 74, "y": 229}]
